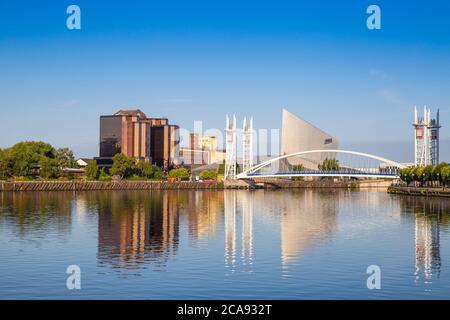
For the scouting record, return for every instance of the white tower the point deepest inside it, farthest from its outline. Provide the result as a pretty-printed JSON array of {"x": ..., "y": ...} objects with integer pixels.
[
  {"x": 231, "y": 150},
  {"x": 426, "y": 137},
  {"x": 247, "y": 144}
]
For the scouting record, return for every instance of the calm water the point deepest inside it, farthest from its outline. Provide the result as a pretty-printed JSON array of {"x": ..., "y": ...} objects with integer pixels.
[{"x": 223, "y": 244}]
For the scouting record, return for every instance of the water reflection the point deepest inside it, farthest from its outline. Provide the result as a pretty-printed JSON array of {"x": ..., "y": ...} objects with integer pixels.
[
  {"x": 304, "y": 217},
  {"x": 133, "y": 230},
  {"x": 430, "y": 216},
  {"x": 238, "y": 206},
  {"x": 135, "y": 227},
  {"x": 306, "y": 220},
  {"x": 31, "y": 216}
]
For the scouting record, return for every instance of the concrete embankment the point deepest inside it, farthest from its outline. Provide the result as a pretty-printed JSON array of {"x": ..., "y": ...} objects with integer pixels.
[
  {"x": 104, "y": 185},
  {"x": 416, "y": 191}
]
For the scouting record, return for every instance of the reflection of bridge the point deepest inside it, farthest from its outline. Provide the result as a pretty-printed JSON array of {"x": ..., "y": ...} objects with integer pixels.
[{"x": 341, "y": 163}]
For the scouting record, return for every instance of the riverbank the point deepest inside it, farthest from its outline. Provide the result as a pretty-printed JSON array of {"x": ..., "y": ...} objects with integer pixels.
[
  {"x": 104, "y": 185},
  {"x": 81, "y": 185},
  {"x": 416, "y": 191}
]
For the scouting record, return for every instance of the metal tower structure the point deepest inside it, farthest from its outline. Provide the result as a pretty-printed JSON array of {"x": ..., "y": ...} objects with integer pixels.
[
  {"x": 426, "y": 138},
  {"x": 231, "y": 150},
  {"x": 247, "y": 144}
]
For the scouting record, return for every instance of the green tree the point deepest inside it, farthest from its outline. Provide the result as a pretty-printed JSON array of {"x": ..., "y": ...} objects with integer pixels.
[
  {"x": 5, "y": 170},
  {"x": 123, "y": 166},
  {"x": 438, "y": 171},
  {"x": 208, "y": 175},
  {"x": 428, "y": 173},
  {"x": 48, "y": 168},
  {"x": 419, "y": 174},
  {"x": 91, "y": 171},
  {"x": 329, "y": 164},
  {"x": 406, "y": 175},
  {"x": 24, "y": 157},
  {"x": 445, "y": 173},
  {"x": 180, "y": 173},
  {"x": 65, "y": 158},
  {"x": 146, "y": 170}
]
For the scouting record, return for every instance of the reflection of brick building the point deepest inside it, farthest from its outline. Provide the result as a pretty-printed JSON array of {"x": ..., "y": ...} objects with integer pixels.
[
  {"x": 129, "y": 235},
  {"x": 130, "y": 132}
]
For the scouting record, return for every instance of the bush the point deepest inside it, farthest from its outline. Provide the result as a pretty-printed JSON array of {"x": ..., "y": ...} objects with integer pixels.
[
  {"x": 135, "y": 176},
  {"x": 180, "y": 173},
  {"x": 298, "y": 167},
  {"x": 103, "y": 176},
  {"x": 208, "y": 175},
  {"x": 91, "y": 171}
]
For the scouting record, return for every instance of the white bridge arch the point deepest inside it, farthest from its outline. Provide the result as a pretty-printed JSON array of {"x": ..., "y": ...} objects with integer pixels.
[{"x": 390, "y": 171}]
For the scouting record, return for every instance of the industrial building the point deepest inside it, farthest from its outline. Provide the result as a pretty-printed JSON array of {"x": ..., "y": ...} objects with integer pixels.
[{"x": 133, "y": 134}]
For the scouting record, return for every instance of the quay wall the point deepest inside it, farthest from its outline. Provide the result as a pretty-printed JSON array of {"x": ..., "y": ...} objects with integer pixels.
[{"x": 417, "y": 191}]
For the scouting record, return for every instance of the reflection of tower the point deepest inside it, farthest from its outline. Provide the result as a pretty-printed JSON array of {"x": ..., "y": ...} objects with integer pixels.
[
  {"x": 231, "y": 150},
  {"x": 230, "y": 228},
  {"x": 427, "y": 245},
  {"x": 247, "y": 144},
  {"x": 426, "y": 138},
  {"x": 247, "y": 228}
]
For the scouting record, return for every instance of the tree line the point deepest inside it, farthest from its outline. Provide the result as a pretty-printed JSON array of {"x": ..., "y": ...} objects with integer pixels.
[
  {"x": 34, "y": 158},
  {"x": 429, "y": 176},
  {"x": 39, "y": 160}
]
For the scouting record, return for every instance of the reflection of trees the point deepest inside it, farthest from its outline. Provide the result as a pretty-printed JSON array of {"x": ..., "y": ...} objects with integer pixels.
[
  {"x": 430, "y": 215},
  {"x": 31, "y": 213}
]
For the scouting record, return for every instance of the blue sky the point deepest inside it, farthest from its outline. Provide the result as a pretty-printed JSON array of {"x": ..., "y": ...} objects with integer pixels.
[{"x": 198, "y": 60}]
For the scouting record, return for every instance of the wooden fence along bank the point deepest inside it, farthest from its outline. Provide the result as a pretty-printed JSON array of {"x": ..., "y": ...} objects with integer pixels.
[{"x": 104, "y": 185}]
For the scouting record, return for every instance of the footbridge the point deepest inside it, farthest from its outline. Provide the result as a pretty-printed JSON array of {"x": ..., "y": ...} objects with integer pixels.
[{"x": 325, "y": 163}]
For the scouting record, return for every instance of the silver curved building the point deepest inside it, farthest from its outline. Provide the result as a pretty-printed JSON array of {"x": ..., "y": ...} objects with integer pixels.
[{"x": 299, "y": 135}]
